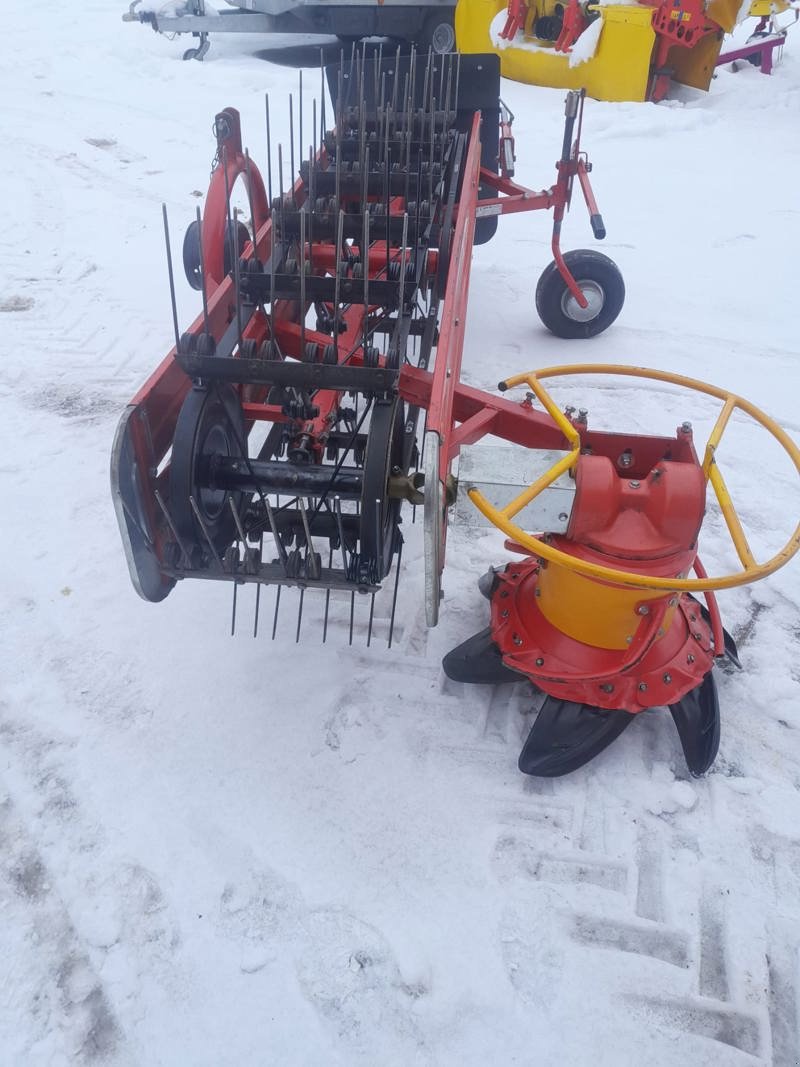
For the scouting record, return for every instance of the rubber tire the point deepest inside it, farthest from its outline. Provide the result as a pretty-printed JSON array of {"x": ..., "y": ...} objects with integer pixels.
[
  {"x": 585, "y": 265},
  {"x": 428, "y": 35}
]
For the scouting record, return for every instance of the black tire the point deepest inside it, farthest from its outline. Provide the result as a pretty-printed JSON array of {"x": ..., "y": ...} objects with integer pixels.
[
  {"x": 438, "y": 33},
  {"x": 600, "y": 279}
]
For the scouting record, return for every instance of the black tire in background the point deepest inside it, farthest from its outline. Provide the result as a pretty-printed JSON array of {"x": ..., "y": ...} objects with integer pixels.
[{"x": 601, "y": 282}]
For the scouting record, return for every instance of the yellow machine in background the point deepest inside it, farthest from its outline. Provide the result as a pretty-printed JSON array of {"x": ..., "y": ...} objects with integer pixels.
[{"x": 634, "y": 53}]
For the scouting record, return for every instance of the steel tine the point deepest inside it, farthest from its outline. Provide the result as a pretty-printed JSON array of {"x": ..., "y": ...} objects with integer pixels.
[
  {"x": 202, "y": 271},
  {"x": 258, "y": 588},
  {"x": 280, "y": 176},
  {"x": 352, "y": 614},
  {"x": 269, "y": 152},
  {"x": 430, "y": 161},
  {"x": 302, "y": 284},
  {"x": 272, "y": 339},
  {"x": 365, "y": 274},
  {"x": 171, "y": 279},
  {"x": 388, "y": 205},
  {"x": 238, "y": 522},
  {"x": 321, "y": 97},
  {"x": 282, "y": 554},
  {"x": 233, "y": 608},
  {"x": 299, "y": 615},
  {"x": 337, "y": 507},
  {"x": 338, "y": 277},
  {"x": 396, "y": 80},
  {"x": 378, "y": 69},
  {"x": 394, "y": 594},
  {"x": 403, "y": 255},
  {"x": 204, "y": 528},
  {"x": 300, "y": 114},
  {"x": 277, "y": 609},
  {"x": 458, "y": 81},
  {"x": 306, "y": 528},
  {"x": 371, "y": 617},
  {"x": 311, "y": 194},
  {"x": 327, "y": 600},
  {"x": 291, "y": 140},
  {"x": 171, "y": 524}
]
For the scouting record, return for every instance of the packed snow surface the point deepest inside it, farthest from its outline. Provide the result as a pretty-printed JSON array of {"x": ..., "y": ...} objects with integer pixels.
[{"x": 224, "y": 851}]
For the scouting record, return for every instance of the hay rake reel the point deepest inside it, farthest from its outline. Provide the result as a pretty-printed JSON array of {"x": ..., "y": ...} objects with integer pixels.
[{"x": 320, "y": 390}]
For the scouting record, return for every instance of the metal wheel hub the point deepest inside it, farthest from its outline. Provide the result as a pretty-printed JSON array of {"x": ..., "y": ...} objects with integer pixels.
[{"x": 595, "y": 296}]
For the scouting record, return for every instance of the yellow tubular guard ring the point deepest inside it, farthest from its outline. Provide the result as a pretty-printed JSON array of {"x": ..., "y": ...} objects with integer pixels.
[{"x": 751, "y": 572}]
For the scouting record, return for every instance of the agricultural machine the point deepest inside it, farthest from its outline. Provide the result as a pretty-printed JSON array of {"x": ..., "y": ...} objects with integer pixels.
[
  {"x": 618, "y": 51},
  {"x": 318, "y": 395}
]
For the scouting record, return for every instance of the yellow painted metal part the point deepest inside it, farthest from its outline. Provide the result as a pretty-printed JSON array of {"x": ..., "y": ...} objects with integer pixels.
[
  {"x": 593, "y": 612},
  {"x": 695, "y": 66},
  {"x": 751, "y": 571},
  {"x": 619, "y": 69},
  {"x": 760, "y": 9}
]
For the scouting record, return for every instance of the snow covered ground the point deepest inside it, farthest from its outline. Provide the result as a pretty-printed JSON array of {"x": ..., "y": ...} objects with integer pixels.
[{"x": 220, "y": 851}]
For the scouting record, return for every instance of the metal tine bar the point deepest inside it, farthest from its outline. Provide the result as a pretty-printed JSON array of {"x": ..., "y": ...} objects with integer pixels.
[
  {"x": 277, "y": 609},
  {"x": 413, "y": 80},
  {"x": 302, "y": 284},
  {"x": 430, "y": 161},
  {"x": 321, "y": 97},
  {"x": 396, "y": 79},
  {"x": 258, "y": 588},
  {"x": 238, "y": 521},
  {"x": 371, "y": 617},
  {"x": 291, "y": 140},
  {"x": 338, "y": 278},
  {"x": 352, "y": 613},
  {"x": 299, "y": 615},
  {"x": 300, "y": 116},
  {"x": 233, "y": 608},
  {"x": 282, "y": 554},
  {"x": 403, "y": 254},
  {"x": 388, "y": 205},
  {"x": 306, "y": 529},
  {"x": 378, "y": 69},
  {"x": 204, "y": 528},
  {"x": 327, "y": 599},
  {"x": 425, "y": 86},
  {"x": 272, "y": 340},
  {"x": 269, "y": 153},
  {"x": 365, "y": 268},
  {"x": 311, "y": 156},
  {"x": 171, "y": 524},
  {"x": 280, "y": 175},
  {"x": 449, "y": 85},
  {"x": 171, "y": 279},
  {"x": 394, "y": 594},
  {"x": 458, "y": 80},
  {"x": 337, "y": 507},
  {"x": 202, "y": 271},
  {"x": 382, "y": 110},
  {"x": 362, "y": 109},
  {"x": 234, "y": 246}
]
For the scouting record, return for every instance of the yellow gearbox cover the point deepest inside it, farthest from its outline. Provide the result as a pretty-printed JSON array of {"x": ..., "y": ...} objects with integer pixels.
[{"x": 619, "y": 69}]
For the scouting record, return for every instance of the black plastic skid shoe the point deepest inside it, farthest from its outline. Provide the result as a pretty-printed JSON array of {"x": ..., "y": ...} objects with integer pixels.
[
  {"x": 566, "y": 735},
  {"x": 697, "y": 717},
  {"x": 478, "y": 660}
]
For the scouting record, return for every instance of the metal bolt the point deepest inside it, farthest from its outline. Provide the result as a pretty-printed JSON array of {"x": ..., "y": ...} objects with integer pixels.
[
  {"x": 628, "y": 640},
  {"x": 569, "y": 411},
  {"x": 697, "y": 636},
  {"x": 643, "y": 610},
  {"x": 660, "y": 631},
  {"x": 690, "y": 658},
  {"x": 582, "y": 413},
  {"x": 504, "y": 593},
  {"x": 504, "y": 614},
  {"x": 537, "y": 591},
  {"x": 634, "y": 485},
  {"x": 686, "y": 427},
  {"x": 607, "y": 688},
  {"x": 562, "y": 516},
  {"x": 539, "y": 661},
  {"x": 667, "y": 678},
  {"x": 517, "y": 639},
  {"x": 673, "y": 600},
  {"x": 642, "y": 687}
]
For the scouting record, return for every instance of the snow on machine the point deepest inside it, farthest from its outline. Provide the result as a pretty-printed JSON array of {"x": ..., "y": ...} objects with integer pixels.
[{"x": 318, "y": 395}]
